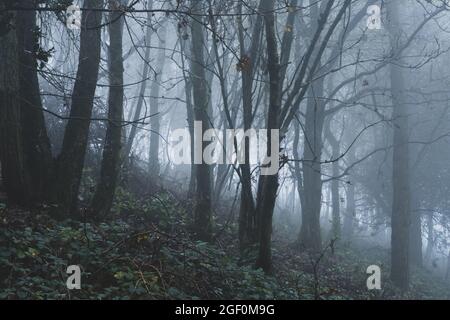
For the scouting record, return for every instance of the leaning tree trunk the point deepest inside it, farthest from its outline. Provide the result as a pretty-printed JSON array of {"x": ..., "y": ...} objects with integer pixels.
[
  {"x": 103, "y": 197},
  {"x": 401, "y": 189},
  {"x": 71, "y": 159},
  {"x": 15, "y": 174},
  {"x": 142, "y": 88},
  {"x": 202, "y": 201},
  {"x": 37, "y": 150}
]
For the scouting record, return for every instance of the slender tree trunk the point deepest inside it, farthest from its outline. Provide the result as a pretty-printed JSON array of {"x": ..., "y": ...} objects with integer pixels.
[
  {"x": 104, "y": 195},
  {"x": 189, "y": 112},
  {"x": 447, "y": 273},
  {"x": 335, "y": 197},
  {"x": 350, "y": 212},
  {"x": 310, "y": 233},
  {"x": 415, "y": 240},
  {"x": 155, "y": 121},
  {"x": 202, "y": 202},
  {"x": 430, "y": 237},
  {"x": 143, "y": 86},
  {"x": 401, "y": 189},
  {"x": 248, "y": 226},
  {"x": 297, "y": 168},
  {"x": 71, "y": 159},
  {"x": 268, "y": 184},
  {"x": 226, "y": 118}
]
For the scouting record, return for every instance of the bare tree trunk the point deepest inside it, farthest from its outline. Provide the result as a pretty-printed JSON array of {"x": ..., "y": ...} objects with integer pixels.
[
  {"x": 401, "y": 189},
  {"x": 247, "y": 215},
  {"x": 104, "y": 195},
  {"x": 350, "y": 212},
  {"x": 297, "y": 168},
  {"x": 189, "y": 111},
  {"x": 15, "y": 174},
  {"x": 430, "y": 237},
  {"x": 202, "y": 203},
  {"x": 310, "y": 233},
  {"x": 155, "y": 121},
  {"x": 335, "y": 197},
  {"x": 226, "y": 117},
  {"x": 38, "y": 155},
  {"x": 143, "y": 86},
  {"x": 71, "y": 159},
  {"x": 415, "y": 235},
  {"x": 447, "y": 273},
  {"x": 268, "y": 185}
]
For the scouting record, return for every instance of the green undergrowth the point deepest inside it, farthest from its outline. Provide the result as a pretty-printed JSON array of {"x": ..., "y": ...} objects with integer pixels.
[{"x": 145, "y": 251}]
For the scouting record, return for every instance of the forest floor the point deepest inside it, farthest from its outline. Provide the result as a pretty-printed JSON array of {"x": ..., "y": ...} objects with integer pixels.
[{"x": 146, "y": 252}]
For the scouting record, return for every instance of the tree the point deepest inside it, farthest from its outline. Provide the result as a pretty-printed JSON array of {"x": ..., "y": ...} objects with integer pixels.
[
  {"x": 155, "y": 121},
  {"x": 249, "y": 58},
  {"x": 280, "y": 117},
  {"x": 103, "y": 197},
  {"x": 17, "y": 179},
  {"x": 71, "y": 159},
  {"x": 202, "y": 201},
  {"x": 268, "y": 184},
  {"x": 335, "y": 197},
  {"x": 401, "y": 189},
  {"x": 142, "y": 88},
  {"x": 36, "y": 144},
  {"x": 310, "y": 233}
]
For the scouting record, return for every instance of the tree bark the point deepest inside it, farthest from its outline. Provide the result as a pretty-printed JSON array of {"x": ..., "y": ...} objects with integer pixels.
[
  {"x": 335, "y": 197},
  {"x": 401, "y": 189},
  {"x": 248, "y": 228},
  {"x": 202, "y": 202},
  {"x": 71, "y": 159},
  {"x": 16, "y": 177},
  {"x": 36, "y": 144},
  {"x": 415, "y": 231},
  {"x": 430, "y": 237},
  {"x": 297, "y": 168},
  {"x": 189, "y": 115},
  {"x": 155, "y": 121},
  {"x": 268, "y": 184},
  {"x": 142, "y": 88},
  {"x": 350, "y": 214},
  {"x": 310, "y": 234},
  {"x": 104, "y": 195}
]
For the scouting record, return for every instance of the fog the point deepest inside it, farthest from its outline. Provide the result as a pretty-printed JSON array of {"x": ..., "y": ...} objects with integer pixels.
[{"x": 349, "y": 98}]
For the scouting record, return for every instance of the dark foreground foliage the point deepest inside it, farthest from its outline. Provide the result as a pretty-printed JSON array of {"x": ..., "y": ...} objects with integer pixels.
[{"x": 146, "y": 252}]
